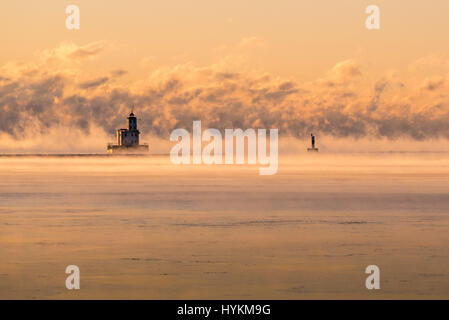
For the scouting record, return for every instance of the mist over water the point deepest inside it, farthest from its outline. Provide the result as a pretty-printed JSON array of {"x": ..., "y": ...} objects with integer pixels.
[
  {"x": 141, "y": 227},
  {"x": 73, "y": 141}
]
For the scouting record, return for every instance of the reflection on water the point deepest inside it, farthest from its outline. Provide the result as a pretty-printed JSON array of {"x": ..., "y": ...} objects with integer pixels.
[{"x": 141, "y": 227}]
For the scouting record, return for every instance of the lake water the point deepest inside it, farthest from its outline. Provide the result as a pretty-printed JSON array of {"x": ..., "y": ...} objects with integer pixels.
[{"x": 143, "y": 228}]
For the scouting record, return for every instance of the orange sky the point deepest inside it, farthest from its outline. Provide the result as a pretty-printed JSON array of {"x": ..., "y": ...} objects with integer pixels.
[
  {"x": 302, "y": 38},
  {"x": 293, "y": 65}
]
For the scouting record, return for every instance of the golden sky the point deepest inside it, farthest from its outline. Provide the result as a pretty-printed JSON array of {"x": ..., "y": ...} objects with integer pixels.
[
  {"x": 302, "y": 38},
  {"x": 293, "y": 65}
]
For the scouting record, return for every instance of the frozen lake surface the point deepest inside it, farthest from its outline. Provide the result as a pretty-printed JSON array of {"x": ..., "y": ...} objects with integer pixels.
[{"x": 143, "y": 228}]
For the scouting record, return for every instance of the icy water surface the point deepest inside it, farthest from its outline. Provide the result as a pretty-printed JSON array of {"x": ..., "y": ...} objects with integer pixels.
[{"x": 143, "y": 228}]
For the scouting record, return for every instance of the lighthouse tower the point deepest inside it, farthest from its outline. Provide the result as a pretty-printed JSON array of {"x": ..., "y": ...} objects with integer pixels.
[
  {"x": 132, "y": 129},
  {"x": 128, "y": 139},
  {"x": 313, "y": 149},
  {"x": 132, "y": 122}
]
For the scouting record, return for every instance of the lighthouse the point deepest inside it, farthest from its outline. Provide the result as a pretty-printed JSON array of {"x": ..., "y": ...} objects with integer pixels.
[
  {"x": 128, "y": 139},
  {"x": 312, "y": 149}
]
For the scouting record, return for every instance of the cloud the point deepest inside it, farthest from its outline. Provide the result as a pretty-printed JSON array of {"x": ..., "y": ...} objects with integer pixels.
[
  {"x": 94, "y": 83},
  {"x": 346, "y": 70},
  {"x": 226, "y": 75},
  {"x": 342, "y": 73},
  {"x": 433, "y": 84},
  {"x": 341, "y": 104},
  {"x": 118, "y": 73},
  {"x": 68, "y": 52},
  {"x": 89, "y": 50}
]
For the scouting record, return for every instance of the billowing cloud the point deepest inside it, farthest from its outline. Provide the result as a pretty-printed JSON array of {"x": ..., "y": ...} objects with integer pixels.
[
  {"x": 94, "y": 83},
  {"x": 118, "y": 73},
  {"x": 341, "y": 104},
  {"x": 89, "y": 50}
]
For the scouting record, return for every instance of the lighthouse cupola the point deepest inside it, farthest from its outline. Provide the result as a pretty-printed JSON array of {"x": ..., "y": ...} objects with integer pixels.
[{"x": 132, "y": 121}]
